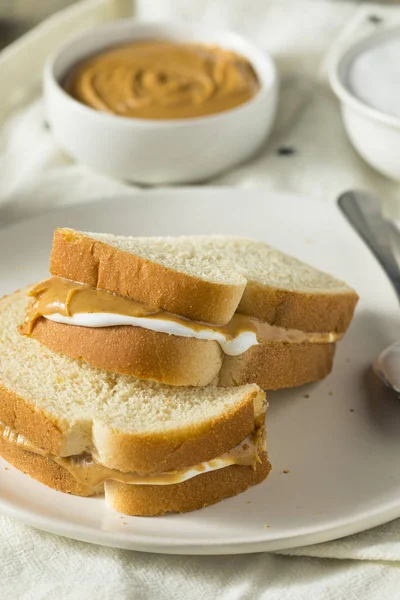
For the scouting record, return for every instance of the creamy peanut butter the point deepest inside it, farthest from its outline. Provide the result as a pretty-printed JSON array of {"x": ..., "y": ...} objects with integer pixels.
[
  {"x": 68, "y": 299},
  {"x": 163, "y": 80},
  {"x": 86, "y": 470}
]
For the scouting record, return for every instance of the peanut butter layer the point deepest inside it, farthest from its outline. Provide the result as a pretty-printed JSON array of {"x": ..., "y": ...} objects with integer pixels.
[
  {"x": 67, "y": 298},
  {"x": 88, "y": 471},
  {"x": 163, "y": 80}
]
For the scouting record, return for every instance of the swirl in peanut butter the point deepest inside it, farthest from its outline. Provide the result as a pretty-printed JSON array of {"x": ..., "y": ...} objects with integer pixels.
[{"x": 163, "y": 80}]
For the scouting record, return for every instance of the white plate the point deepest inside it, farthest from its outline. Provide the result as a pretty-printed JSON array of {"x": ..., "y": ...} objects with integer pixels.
[{"x": 339, "y": 439}]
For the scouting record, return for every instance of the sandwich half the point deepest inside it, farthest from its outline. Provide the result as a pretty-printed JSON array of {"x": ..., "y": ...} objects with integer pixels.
[
  {"x": 150, "y": 448},
  {"x": 190, "y": 310}
]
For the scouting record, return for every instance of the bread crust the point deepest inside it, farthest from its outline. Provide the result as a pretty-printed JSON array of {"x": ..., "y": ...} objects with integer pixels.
[
  {"x": 81, "y": 258},
  {"x": 142, "y": 500},
  {"x": 43, "y": 469},
  {"x": 195, "y": 493},
  {"x": 312, "y": 312},
  {"x": 275, "y": 366},
  {"x": 145, "y": 354},
  {"x": 150, "y": 454},
  {"x": 180, "y": 361},
  {"x": 40, "y": 428}
]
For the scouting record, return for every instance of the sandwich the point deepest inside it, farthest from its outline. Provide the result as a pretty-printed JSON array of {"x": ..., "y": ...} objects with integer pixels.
[
  {"x": 150, "y": 448},
  {"x": 137, "y": 369},
  {"x": 189, "y": 311}
]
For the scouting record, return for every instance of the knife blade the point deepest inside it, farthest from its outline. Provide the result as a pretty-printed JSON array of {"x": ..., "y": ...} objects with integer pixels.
[{"x": 363, "y": 212}]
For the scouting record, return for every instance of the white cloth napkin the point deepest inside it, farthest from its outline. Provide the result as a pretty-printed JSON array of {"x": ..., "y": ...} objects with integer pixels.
[{"x": 303, "y": 35}]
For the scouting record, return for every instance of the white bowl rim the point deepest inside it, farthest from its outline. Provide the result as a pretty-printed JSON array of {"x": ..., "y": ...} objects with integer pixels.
[
  {"x": 342, "y": 90},
  {"x": 263, "y": 55}
]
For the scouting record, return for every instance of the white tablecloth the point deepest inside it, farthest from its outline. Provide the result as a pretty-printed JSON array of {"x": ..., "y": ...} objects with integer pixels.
[{"x": 303, "y": 35}]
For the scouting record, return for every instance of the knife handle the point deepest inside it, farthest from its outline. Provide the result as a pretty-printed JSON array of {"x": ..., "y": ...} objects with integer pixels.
[{"x": 363, "y": 212}]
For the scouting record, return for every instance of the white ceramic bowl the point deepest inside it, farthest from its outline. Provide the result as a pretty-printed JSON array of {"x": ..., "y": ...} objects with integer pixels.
[
  {"x": 158, "y": 151},
  {"x": 374, "y": 134}
]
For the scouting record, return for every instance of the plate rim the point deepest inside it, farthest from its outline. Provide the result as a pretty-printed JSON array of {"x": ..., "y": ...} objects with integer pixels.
[{"x": 369, "y": 520}]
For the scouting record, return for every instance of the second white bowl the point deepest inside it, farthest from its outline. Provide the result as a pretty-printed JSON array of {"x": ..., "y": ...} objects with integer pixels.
[{"x": 374, "y": 134}]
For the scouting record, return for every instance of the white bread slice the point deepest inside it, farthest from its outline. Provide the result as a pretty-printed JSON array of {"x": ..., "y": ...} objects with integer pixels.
[
  {"x": 67, "y": 407},
  {"x": 207, "y": 278},
  {"x": 180, "y": 361},
  {"x": 171, "y": 273}
]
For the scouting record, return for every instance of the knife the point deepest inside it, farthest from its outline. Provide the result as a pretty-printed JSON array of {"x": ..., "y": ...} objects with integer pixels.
[{"x": 363, "y": 212}]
